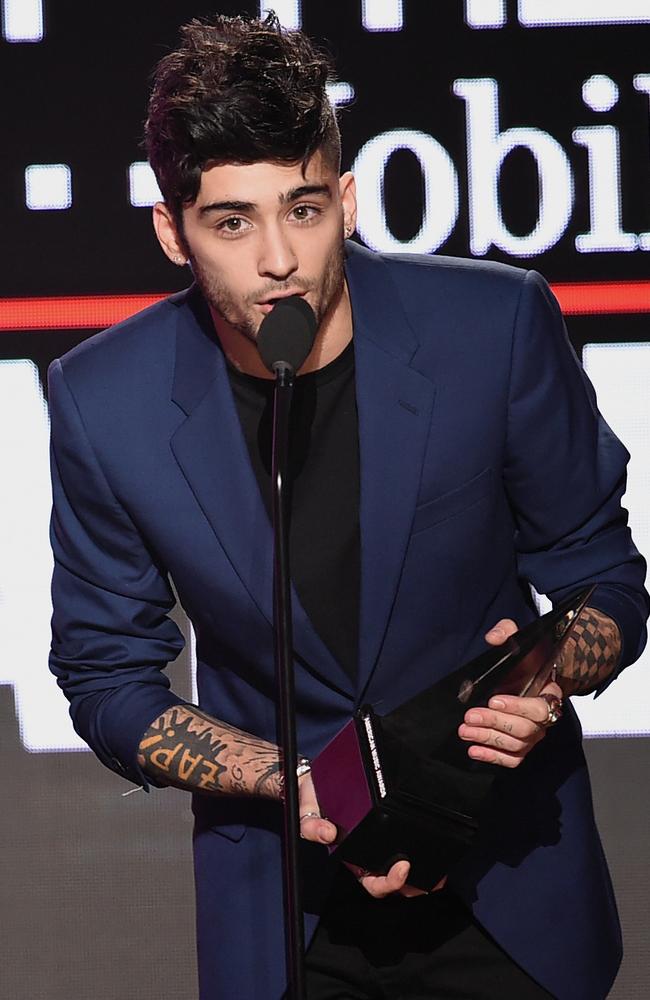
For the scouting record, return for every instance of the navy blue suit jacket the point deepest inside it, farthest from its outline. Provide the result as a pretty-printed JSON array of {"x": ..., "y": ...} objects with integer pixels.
[{"x": 484, "y": 466}]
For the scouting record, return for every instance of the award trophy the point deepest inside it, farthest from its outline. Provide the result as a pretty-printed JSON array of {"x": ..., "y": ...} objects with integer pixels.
[{"x": 401, "y": 786}]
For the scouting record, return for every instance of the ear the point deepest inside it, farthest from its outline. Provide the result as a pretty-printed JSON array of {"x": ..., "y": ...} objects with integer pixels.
[
  {"x": 167, "y": 234},
  {"x": 348, "y": 195}
]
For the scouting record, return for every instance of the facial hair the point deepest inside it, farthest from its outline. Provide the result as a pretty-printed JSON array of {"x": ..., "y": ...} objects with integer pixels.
[{"x": 240, "y": 317}]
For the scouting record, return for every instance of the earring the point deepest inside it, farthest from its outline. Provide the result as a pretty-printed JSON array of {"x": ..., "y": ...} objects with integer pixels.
[
  {"x": 348, "y": 231},
  {"x": 179, "y": 260}
]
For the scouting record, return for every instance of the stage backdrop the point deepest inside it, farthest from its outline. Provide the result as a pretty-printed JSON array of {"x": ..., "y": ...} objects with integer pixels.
[{"x": 514, "y": 130}]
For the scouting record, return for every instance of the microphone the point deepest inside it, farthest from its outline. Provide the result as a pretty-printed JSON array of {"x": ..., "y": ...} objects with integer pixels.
[
  {"x": 286, "y": 335},
  {"x": 285, "y": 338}
]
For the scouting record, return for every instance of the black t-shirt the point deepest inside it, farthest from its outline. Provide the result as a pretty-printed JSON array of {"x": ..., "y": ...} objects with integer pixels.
[{"x": 324, "y": 454}]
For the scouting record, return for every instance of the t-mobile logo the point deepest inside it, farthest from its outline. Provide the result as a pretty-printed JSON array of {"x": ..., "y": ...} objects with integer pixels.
[
  {"x": 488, "y": 145},
  {"x": 388, "y": 15}
]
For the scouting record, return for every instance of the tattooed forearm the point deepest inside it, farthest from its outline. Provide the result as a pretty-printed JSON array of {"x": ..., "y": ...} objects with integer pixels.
[
  {"x": 590, "y": 654},
  {"x": 186, "y": 748}
]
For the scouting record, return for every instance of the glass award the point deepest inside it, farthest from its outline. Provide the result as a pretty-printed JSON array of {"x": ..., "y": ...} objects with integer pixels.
[{"x": 401, "y": 785}]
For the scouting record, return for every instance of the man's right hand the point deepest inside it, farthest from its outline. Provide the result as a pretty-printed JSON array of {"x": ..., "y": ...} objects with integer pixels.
[
  {"x": 318, "y": 829},
  {"x": 313, "y": 826}
]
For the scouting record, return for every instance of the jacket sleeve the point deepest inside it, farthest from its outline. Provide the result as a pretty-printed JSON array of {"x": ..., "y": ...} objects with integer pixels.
[
  {"x": 111, "y": 634},
  {"x": 565, "y": 475}
]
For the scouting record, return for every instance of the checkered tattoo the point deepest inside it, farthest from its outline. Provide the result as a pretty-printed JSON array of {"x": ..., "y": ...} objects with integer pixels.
[{"x": 590, "y": 654}]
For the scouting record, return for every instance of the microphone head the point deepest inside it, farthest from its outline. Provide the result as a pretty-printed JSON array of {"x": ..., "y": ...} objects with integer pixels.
[{"x": 287, "y": 333}]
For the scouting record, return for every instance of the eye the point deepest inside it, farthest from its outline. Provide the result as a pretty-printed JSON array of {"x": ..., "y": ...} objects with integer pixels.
[
  {"x": 304, "y": 213},
  {"x": 233, "y": 225}
]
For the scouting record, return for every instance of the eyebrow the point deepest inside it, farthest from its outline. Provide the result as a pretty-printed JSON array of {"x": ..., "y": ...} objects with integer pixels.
[
  {"x": 227, "y": 206},
  {"x": 304, "y": 191}
]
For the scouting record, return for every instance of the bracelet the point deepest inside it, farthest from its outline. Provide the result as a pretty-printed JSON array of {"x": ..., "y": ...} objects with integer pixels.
[{"x": 304, "y": 766}]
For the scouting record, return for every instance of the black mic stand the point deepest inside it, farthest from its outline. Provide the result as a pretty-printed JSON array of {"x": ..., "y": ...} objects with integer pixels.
[
  {"x": 285, "y": 339},
  {"x": 281, "y": 487}
]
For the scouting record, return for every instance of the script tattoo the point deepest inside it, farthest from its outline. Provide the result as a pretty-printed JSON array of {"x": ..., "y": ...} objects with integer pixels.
[
  {"x": 186, "y": 748},
  {"x": 590, "y": 654}
]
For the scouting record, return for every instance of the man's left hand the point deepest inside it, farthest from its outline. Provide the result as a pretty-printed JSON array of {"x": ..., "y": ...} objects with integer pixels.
[{"x": 509, "y": 727}]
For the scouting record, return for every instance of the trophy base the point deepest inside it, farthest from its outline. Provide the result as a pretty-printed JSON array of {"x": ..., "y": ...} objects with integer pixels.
[
  {"x": 395, "y": 831},
  {"x": 405, "y": 808}
]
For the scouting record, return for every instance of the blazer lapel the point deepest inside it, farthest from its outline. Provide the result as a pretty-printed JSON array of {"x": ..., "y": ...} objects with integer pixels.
[
  {"x": 211, "y": 451},
  {"x": 395, "y": 405}
]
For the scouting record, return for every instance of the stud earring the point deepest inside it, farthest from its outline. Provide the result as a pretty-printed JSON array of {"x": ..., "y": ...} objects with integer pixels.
[{"x": 179, "y": 260}]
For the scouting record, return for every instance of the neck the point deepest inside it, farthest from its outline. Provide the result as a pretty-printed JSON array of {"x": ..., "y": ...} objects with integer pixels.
[{"x": 332, "y": 337}]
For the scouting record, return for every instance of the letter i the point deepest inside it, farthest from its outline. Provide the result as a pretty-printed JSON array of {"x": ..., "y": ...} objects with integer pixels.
[
  {"x": 602, "y": 143},
  {"x": 642, "y": 84}
]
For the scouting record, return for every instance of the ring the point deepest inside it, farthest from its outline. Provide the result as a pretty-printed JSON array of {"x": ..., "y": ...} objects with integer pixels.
[
  {"x": 554, "y": 706},
  {"x": 310, "y": 816}
]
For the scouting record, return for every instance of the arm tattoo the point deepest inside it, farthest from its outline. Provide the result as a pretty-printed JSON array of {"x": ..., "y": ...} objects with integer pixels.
[
  {"x": 590, "y": 654},
  {"x": 186, "y": 748}
]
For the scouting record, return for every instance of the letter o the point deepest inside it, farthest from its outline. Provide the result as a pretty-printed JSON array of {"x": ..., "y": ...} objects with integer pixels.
[{"x": 440, "y": 191}]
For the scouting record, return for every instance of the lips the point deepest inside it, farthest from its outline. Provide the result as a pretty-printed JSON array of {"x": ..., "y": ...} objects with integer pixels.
[
  {"x": 272, "y": 299},
  {"x": 267, "y": 304}
]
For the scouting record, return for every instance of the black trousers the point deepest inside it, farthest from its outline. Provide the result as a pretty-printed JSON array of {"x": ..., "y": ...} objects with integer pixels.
[{"x": 424, "y": 948}]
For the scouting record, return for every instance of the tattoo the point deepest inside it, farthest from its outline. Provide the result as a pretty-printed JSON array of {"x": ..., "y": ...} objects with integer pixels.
[
  {"x": 590, "y": 653},
  {"x": 186, "y": 748}
]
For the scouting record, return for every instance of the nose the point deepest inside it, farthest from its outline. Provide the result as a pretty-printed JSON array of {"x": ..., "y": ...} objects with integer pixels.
[{"x": 277, "y": 257}]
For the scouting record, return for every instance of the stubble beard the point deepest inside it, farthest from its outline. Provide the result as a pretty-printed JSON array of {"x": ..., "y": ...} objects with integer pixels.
[{"x": 240, "y": 317}]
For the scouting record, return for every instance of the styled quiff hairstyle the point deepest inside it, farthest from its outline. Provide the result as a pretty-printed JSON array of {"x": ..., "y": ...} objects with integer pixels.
[{"x": 237, "y": 91}]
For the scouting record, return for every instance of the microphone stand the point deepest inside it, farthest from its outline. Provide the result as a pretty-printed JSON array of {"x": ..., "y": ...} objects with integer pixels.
[{"x": 283, "y": 635}]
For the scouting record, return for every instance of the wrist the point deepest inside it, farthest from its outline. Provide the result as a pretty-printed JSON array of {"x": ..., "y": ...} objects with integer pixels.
[{"x": 303, "y": 769}]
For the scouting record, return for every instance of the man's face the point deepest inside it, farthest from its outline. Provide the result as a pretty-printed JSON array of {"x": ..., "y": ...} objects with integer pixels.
[{"x": 258, "y": 232}]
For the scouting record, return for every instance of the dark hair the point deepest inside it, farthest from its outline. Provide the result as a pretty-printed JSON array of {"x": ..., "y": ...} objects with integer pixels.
[{"x": 237, "y": 91}]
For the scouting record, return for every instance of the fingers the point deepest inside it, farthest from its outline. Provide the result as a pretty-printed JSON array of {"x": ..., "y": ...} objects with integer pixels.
[
  {"x": 484, "y": 726},
  {"x": 520, "y": 711},
  {"x": 508, "y": 728},
  {"x": 317, "y": 829},
  {"x": 501, "y": 631},
  {"x": 313, "y": 826},
  {"x": 381, "y": 886},
  {"x": 410, "y": 892}
]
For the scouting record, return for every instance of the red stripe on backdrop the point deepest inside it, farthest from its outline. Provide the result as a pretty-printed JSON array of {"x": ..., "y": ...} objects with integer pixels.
[
  {"x": 99, "y": 311},
  {"x": 71, "y": 312},
  {"x": 598, "y": 297}
]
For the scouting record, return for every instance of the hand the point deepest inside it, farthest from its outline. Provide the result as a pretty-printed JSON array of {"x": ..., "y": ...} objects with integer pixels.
[
  {"x": 506, "y": 731},
  {"x": 313, "y": 826},
  {"x": 319, "y": 830},
  {"x": 395, "y": 881}
]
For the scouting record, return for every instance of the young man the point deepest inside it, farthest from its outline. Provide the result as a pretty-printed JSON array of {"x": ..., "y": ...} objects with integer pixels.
[{"x": 448, "y": 453}]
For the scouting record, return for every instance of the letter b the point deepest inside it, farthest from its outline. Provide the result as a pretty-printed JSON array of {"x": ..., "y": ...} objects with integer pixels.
[{"x": 487, "y": 149}]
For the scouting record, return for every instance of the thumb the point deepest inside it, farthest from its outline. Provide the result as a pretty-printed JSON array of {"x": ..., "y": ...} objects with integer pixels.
[{"x": 501, "y": 631}]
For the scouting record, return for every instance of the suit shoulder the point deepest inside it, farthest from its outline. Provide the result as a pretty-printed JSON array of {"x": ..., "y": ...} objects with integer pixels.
[
  {"x": 468, "y": 291},
  {"x": 464, "y": 274},
  {"x": 140, "y": 337},
  {"x": 448, "y": 284}
]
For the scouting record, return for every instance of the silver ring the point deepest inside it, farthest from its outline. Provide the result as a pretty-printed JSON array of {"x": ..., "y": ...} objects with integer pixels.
[
  {"x": 310, "y": 816},
  {"x": 554, "y": 707}
]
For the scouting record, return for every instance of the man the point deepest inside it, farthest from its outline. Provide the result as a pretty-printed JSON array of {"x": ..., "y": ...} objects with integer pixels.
[{"x": 448, "y": 453}]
